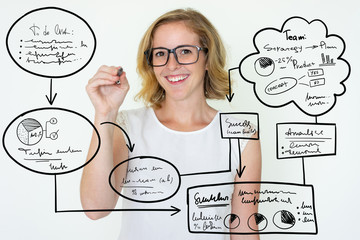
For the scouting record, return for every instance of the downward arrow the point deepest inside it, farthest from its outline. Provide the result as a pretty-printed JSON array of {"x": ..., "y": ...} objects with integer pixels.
[
  {"x": 130, "y": 146},
  {"x": 241, "y": 169},
  {"x": 51, "y": 99},
  {"x": 230, "y": 95}
]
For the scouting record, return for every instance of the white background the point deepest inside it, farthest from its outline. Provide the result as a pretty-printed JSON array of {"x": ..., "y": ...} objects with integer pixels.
[{"x": 27, "y": 199}]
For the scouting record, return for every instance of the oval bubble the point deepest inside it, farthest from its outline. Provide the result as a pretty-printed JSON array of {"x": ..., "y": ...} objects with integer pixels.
[
  {"x": 281, "y": 85},
  {"x": 146, "y": 179},
  {"x": 51, "y": 42},
  {"x": 50, "y": 141}
]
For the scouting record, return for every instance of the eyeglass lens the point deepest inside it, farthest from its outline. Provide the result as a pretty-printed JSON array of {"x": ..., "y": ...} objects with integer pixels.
[{"x": 183, "y": 55}]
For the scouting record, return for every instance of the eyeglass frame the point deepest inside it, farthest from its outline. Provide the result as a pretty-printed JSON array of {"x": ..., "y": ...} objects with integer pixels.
[{"x": 173, "y": 51}]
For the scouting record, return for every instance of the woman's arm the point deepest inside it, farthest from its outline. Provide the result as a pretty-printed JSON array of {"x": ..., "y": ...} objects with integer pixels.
[
  {"x": 251, "y": 159},
  {"x": 107, "y": 97}
]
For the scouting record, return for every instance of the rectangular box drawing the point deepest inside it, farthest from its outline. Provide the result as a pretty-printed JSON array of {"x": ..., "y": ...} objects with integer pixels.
[
  {"x": 283, "y": 208},
  {"x": 317, "y": 82},
  {"x": 315, "y": 72},
  {"x": 305, "y": 140},
  {"x": 239, "y": 125}
]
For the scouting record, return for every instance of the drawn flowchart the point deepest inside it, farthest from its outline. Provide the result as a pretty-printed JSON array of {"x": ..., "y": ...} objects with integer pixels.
[{"x": 300, "y": 63}]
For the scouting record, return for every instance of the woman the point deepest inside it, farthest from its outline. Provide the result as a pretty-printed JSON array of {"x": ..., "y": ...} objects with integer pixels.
[{"x": 181, "y": 60}]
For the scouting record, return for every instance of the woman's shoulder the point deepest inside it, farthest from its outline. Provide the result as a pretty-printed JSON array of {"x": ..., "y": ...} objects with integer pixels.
[{"x": 130, "y": 115}]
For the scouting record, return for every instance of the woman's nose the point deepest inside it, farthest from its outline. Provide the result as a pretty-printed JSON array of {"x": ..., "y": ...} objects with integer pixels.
[{"x": 172, "y": 62}]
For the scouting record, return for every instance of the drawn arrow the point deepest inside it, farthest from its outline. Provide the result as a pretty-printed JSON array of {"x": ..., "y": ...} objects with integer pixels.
[
  {"x": 241, "y": 169},
  {"x": 313, "y": 46},
  {"x": 230, "y": 95},
  {"x": 130, "y": 146},
  {"x": 51, "y": 99},
  {"x": 173, "y": 209}
]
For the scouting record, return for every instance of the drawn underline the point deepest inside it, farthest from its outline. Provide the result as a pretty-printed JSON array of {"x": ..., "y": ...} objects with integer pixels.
[
  {"x": 42, "y": 159},
  {"x": 307, "y": 141},
  {"x": 136, "y": 187},
  {"x": 307, "y": 138},
  {"x": 212, "y": 205}
]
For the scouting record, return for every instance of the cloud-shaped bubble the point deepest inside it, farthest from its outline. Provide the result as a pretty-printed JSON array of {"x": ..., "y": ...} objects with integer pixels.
[{"x": 300, "y": 63}]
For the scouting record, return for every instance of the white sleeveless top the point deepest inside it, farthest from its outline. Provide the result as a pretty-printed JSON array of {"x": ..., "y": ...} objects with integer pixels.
[{"x": 194, "y": 154}]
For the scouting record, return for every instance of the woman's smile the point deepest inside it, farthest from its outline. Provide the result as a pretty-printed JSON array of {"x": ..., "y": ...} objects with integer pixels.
[{"x": 177, "y": 79}]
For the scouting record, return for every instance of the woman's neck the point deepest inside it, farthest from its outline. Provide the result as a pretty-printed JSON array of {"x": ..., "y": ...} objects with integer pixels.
[{"x": 184, "y": 115}]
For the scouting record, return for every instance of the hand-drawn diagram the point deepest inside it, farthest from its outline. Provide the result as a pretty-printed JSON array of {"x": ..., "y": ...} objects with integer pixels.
[
  {"x": 292, "y": 208},
  {"x": 48, "y": 148},
  {"x": 51, "y": 42},
  {"x": 300, "y": 63},
  {"x": 43, "y": 43}
]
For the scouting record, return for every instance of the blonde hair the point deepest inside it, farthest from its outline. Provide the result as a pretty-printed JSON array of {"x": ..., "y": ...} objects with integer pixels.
[{"x": 216, "y": 84}]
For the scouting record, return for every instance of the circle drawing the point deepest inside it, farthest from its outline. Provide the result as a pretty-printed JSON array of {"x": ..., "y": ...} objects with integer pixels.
[
  {"x": 232, "y": 221},
  {"x": 284, "y": 219},
  {"x": 264, "y": 66},
  {"x": 29, "y": 131},
  {"x": 257, "y": 222}
]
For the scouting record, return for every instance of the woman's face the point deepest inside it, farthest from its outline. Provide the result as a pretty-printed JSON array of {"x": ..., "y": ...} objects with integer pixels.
[{"x": 181, "y": 82}]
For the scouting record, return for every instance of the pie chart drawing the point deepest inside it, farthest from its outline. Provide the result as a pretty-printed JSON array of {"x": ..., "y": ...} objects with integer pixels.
[
  {"x": 29, "y": 131},
  {"x": 257, "y": 222},
  {"x": 284, "y": 219},
  {"x": 232, "y": 221}
]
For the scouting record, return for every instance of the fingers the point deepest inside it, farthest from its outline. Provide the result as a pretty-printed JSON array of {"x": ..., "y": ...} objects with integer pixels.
[{"x": 105, "y": 73}]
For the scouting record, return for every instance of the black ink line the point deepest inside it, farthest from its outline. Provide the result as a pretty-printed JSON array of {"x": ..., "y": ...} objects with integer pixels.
[
  {"x": 51, "y": 99},
  {"x": 130, "y": 146},
  {"x": 55, "y": 180},
  {"x": 42, "y": 159},
  {"x": 213, "y": 172},
  {"x": 230, "y": 95},
  {"x": 303, "y": 169},
  {"x": 47, "y": 42},
  {"x": 212, "y": 205},
  {"x": 136, "y": 187},
  {"x": 310, "y": 138},
  {"x": 201, "y": 173},
  {"x": 173, "y": 209},
  {"x": 301, "y": 77},
  {"x": 306, "y": 141},
  {"x": 241, "y": 169}
]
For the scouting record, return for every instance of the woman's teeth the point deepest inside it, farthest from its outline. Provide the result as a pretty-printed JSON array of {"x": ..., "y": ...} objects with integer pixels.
[{"x": 176, "y": 78}]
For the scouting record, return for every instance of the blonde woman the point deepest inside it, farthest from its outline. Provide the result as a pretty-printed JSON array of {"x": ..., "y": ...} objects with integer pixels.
[{"x": 181, "y": 60}]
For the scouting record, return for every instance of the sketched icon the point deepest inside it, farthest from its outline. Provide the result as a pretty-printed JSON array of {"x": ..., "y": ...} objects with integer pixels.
[
  {"x": 257, "y": 222},
  {"x": 284, "y": 219},
  {"x": 29, "y": 131},
  {"x": 264, "y": 66},
  {"x": 232, "y": 221}
]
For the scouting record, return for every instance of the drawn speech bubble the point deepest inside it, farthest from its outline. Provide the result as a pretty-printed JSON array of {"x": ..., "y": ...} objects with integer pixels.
[
  {"x": 50, "y": 140},
  {"x": 300, "y": 63},
  {"x": 148, "y": 179},
  {"x": 51, "y": 42}
]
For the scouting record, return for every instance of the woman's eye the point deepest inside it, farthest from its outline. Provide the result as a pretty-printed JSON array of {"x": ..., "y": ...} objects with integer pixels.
[
  {"x": 159, "y": 54},
  {"x": 185, "y": 51}
]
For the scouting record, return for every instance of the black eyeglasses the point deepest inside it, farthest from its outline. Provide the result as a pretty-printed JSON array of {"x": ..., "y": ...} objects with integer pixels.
[{"x": 184, "y": 55}]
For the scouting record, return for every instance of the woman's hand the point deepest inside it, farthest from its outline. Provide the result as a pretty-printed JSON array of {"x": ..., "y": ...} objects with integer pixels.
[{"x": 104, "y": 93}]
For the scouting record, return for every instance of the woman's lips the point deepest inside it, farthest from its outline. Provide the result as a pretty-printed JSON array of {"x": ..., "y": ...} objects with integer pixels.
[{"x": 177, "y": 78}]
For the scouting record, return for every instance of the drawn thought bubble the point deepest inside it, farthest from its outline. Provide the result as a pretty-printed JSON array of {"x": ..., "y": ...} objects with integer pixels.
[
  {"x": 300, "y": 63},
  {"x": 50, "y": 140},
  {"x": 147, "y": 180},
  {"x": 51, "y": 42}
]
